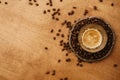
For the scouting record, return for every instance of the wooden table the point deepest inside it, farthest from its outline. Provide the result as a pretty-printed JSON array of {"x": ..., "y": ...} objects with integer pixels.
[{"x": 30, "y": 51}]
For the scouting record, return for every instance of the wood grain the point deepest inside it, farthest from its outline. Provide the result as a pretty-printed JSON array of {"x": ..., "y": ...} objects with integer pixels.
[{"x": 25, "y": 32}]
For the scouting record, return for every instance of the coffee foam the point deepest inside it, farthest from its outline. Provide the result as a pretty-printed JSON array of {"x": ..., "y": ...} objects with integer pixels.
[{"x": 91, "y": 38}]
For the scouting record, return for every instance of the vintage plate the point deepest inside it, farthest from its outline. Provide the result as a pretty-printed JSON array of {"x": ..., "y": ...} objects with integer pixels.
[{"x": 91, "y": 39}]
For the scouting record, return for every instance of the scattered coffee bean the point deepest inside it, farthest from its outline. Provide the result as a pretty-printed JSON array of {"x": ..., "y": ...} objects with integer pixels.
[
  {"x": 115, "y": 65},
  {"x": 48, "y": 10},
  {"x": 85, "y": 12},
  {"x": 52, "y": 31},
  {"x": 54, "y": 72},
  {"x": 68, "y": 60},
  {"x": 59, "y": 30},
  {"x": 54, "y": 38},
  {"x": 54, "y": 9},
  {"x": 46, "y": 48},
  {"x": 66, "y": 54},
  {"x": 61, "y": 0},
  {"x": 47, "y": 72},
  {"x": 51, "y": 4},
  {"x": 6, "y": 3},
  {"x": 57, "y": 19},
  {"x": 61, "y": 78},
  {"x": 112, "y": 4},
  {"x": 61, "y": 41},
  {"x": 47, "y": 3},
  {"x": 62, "y": 35},
  {"x": 101, "y": 0},
  {"x": 44, "y": 12},
  {"x": 74, "y": 7},
  {"x": 65, "y": 78},
  {"x": 81, "y": 65},
  {"x": 35, "y": 0},
  {"x": 57, "y": 34},
  {"x": 59, "y": 60},
  {"x": 95, "y": 7},
  {"x": 37, "y": 4},
  {"x": 30, "y": 3}
]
